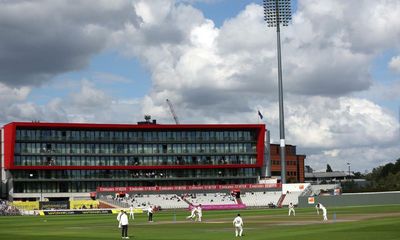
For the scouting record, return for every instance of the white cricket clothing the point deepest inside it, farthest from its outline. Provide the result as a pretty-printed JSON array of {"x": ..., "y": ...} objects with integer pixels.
[
  {"x": 131, "y": 212},
  {"x": 150, "y": 209},
  {"x": 192, "y": 214},
  {"x": 119, "y": 216},
  {"x": 124, "y": 220},
  {"x": 199, "y": 213},
  {"x": 324, "y": 212},
  {"x": 291, "y": 209},
  {"x": 238, "y": 223}
]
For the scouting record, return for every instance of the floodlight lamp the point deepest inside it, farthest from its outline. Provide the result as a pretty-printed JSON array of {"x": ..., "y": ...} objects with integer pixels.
[{"x": 277, "y": 11}]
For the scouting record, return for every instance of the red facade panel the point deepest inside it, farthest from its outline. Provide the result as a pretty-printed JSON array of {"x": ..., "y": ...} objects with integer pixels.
[{"x": 9, "y": 142}]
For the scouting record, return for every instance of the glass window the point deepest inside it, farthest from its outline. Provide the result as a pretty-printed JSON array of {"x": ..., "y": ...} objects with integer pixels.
[
  {"x": 177, "y": 148},
  {"x": 132, "y": 136},
  {"x": 146, "y": 136},
  {"x": 140, "y": 148},
  {"x": 192, "y": 136},
  {"x": 198, "y": 148},
  {"x": 17, "y": 149},
  {"x": 132, "y": 148},
  {"x": 184, "y": 135},
  {"x": 198, "y": 135},
  {"x": 169, "y": 136},
  {"x": 178, "y": 136},
  {"x": 124, "y": 136},
  {"x": 140, "y": 136},
  {"x": 246, "y": 135},
  {"x": 18, "y": 133},
  {"x": 183, "y": 148},
  {"x": 162, "y": 136},
  {"x": 205, "y": 135},
  {"x": 146, "y": 148},
  {"x": 220, "y": 136},
  {"x": 174, "y": 135},
  {"x": 17, "y": 160},
  {"x": 226, "y": 135},
  {"x": 107, "y": 135}
]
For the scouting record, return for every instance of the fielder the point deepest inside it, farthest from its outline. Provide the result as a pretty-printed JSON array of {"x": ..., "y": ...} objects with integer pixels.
[
  {"x": 291, "y": 209},
  {"x": 324, "y": 212},
  {"x": 238, "y": 223},
  {"x": 131, "y": 212}
]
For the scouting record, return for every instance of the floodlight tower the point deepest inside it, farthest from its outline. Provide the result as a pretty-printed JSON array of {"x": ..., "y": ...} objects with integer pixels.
[{"x": 277, "y": 12}]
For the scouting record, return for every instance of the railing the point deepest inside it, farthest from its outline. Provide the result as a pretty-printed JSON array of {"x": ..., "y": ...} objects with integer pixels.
[{"x": 115, "y": 202}]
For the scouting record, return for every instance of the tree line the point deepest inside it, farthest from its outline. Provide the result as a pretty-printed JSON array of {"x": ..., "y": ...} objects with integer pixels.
[{"x": 382, "y": 178}]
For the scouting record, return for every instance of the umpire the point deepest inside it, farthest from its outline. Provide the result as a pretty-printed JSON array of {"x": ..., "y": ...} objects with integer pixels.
[{"x": 124, "y": 222}]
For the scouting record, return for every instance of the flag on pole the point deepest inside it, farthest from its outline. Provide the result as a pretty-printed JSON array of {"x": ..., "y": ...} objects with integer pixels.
[{"x": 259, "y": 114}]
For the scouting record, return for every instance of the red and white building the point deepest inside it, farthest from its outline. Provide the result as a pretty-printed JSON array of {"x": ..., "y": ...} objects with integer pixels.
[{"x": 63, "y": 160}]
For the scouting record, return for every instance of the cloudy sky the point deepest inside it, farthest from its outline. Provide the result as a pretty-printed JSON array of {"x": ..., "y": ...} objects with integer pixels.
[{"x": 115, "y": 61}]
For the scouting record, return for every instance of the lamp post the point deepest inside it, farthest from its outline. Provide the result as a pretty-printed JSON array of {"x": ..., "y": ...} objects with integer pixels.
[
  {"x": 277, "y": 12},
  {"x": 348, "y": 164}
]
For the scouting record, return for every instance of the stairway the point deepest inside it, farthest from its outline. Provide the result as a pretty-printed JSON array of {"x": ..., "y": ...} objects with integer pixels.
[
  {"x": 239, "y": 201},
  {"x": 280, "y": 201}
]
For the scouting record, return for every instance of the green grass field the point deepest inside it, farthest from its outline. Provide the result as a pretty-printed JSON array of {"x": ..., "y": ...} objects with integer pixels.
[{"x": 352, "y": 223}]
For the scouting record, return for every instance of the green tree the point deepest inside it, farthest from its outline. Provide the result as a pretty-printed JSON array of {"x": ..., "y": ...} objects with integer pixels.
[
  {"x": 328, "y": 168},
  {"x": 358, "y": 175},
  {"x": 385, "y": 178}
]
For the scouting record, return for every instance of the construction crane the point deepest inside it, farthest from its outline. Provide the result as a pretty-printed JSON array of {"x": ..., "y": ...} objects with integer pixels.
[{"x": 171, "y": 108}]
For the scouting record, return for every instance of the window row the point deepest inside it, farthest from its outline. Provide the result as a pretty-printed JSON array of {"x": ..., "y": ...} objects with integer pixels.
[
  {"x": 132, "y": 161},
  {"x": 40, "y": 135},
  {"x": 289, "y": 163},
  {"x": 60, "y": 148},
  {"x": 129, "y": 174}
]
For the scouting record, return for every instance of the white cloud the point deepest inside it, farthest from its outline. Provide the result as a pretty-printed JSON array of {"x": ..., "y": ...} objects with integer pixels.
[
  {"x": 361, "y": 158},
  {"x": 153, "y": 12},
  {"x": 332, "y": 123},
  {"x": 14, "y": 106},
  {"x": 12, "y": 94},
  {"x": 394, "y": 64},
  {"x": 89, "y": 98},
  {"x": 44, "y": 38}
]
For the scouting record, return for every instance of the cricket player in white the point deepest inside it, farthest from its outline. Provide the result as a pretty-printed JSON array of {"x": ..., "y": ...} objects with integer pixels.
[
  {"x": 199, "y": 212},
  {"x": 291, "y": 209},
  {"x": 238, "y": 223},
  {"x": 192, "y": 214},
  {"x": 324, "y": 212},
  {"x": 131, "y": 213}
]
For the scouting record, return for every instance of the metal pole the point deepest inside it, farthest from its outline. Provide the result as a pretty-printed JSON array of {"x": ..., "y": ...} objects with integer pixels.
[
  {"x": 349, "y": 169},
  {"x": 280, "y": 86}
]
